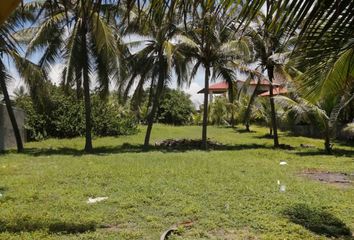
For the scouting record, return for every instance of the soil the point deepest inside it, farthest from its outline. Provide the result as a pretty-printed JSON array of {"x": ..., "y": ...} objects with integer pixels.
[{"x": 342, "y": 180}]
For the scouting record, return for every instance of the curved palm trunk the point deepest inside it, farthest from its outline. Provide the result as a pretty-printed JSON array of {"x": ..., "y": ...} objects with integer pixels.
[
  {"x": 155, "y": 104},
  {"x": 205, "y": 109},
  {"x": 270, "y": 70},
  {"x": 249, "y": 107},
  {"x": 87, "y": 100},
  {"x": 11, "y": 114}
]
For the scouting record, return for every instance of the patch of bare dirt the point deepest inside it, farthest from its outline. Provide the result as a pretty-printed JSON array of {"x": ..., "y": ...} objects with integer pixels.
[{"x": 342, "y": 180}]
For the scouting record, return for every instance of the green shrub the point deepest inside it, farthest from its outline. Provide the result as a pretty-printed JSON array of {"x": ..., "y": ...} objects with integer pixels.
[
  {"x": 175, "y": 108},
  {"x": 64, "y": 117}
]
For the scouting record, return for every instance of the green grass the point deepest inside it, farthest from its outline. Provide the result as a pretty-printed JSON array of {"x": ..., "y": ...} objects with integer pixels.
[{"x": 229, "y": 194}]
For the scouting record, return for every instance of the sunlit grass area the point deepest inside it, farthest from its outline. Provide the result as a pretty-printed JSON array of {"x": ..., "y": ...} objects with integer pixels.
[{"x": 231, "y": 193}]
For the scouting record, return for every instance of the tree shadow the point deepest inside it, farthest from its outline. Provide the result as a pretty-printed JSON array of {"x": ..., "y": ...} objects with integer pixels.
[
  {"x": 136, "y": 148},
  {"x": 55, "y": 227},
  {"x": 321, "y": 152},
  {"x": 265, "y": 136},
  {"x": 243, "y": 130},
  {"x": 318, "y": 221}
]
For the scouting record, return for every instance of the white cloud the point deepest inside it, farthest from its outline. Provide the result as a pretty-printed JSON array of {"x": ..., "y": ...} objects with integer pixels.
[{"x": 196, "y": 98}]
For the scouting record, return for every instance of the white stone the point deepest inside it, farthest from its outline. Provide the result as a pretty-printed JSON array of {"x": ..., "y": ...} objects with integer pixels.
[{"x": 95, "y": 200}]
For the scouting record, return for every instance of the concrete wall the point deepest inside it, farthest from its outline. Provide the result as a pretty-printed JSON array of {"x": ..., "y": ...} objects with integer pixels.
[{"x": 7, "y": 137}]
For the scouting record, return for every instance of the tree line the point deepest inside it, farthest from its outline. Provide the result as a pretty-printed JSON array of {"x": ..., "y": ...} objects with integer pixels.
[{"x": 307, "y": 44}]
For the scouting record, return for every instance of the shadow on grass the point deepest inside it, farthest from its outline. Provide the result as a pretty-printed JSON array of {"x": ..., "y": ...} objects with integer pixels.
[
  {"x": 335, "y": 152},
  {"x": 318, "y": 221},
  {"x": 32, "y": 225},
  {"x": 138, "y": 148},
  {"x": 265, "y": 136},
  {"x": 243, "y": 131}
]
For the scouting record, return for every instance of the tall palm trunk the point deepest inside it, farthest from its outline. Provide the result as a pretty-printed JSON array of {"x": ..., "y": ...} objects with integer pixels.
[
  {"x": 249, "y": 106},
  {"x": 87, "y": 100},
  {"x": 155, "y": 104},
  {"x": 270, "y": 70},
  {"x": 327, "y": 138},
  {"x": 11, "y": 113},
  {"x": 328, "y": 145},
  {"x": 205, "y": 108}
]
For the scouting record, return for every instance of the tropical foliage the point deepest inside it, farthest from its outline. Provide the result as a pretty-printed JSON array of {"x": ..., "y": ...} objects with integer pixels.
[
  {"x": 175, "y": 108},
  {"x": 64, "y": 116},
  {"x": 311, "y": 41}
]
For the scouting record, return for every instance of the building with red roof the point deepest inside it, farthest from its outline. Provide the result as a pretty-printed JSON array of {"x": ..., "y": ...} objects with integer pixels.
[
  {"x": 276, "y": 91},
  {"x": 263, "y": 88}
]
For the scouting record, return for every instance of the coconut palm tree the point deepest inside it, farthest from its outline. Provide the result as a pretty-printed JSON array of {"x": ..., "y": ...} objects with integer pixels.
[
  {"x": 9, "y": 48},
  {"x": 272, "y": 45},
  {"x": 162, "y": 54},
  {"x": 83, "y": 34},
  {"x": 217, "y": 49},
  {"x": 323, "y": 114}
]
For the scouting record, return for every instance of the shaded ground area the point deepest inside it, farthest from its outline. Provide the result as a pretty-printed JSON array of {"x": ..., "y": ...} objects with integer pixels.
[
  {"x": 343, "y": 180},
  {"x": 318, "y": 221},
  {"x": 26, "y": 224},
  {"x": 169, "y": 145}
]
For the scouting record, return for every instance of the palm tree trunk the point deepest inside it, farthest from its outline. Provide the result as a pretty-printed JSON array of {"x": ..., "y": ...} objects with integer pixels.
[
  {"x": 270, "y": 70},
  {"x": 87, "y": 99},
  {"x": 151, "y": 116},
  {"x": 249, "y": 106},
  {"x": 205, "y": 109},
  {"x": 232, "y": 119},
  {"x": 327, "y": 143},
  {"x": 11, "y": 115}
]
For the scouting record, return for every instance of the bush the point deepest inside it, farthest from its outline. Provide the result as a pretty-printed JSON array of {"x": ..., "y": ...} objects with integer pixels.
[
  {"x": 175, "y": 108},
  {"x": 348, "y": 131},
  {"x": 64, "y": 117}
]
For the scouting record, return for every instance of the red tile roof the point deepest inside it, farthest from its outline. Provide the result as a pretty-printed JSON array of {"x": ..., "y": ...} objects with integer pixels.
[
  {"x": 222, "y": 87},
  {"x": 276, "y": 91}
]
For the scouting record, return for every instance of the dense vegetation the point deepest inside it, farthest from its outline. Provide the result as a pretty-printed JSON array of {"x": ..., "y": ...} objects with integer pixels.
[
  {"x": 62, "y": 116},
  {"x": 305, "y": 46},
  {"x": 118, "y": 61}
]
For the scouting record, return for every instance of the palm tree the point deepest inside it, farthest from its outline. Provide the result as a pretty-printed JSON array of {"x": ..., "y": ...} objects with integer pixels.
[
  {"x": 216, "y": 48},
  {"x": 3, "y": 78},
  {"x": 323, "y": 114},
  {"x": 272, "y": 45},
  {"x": 9, "y": 48},
  {"x": 162, "y": 53},
  {"x": 87, "y": 33}
]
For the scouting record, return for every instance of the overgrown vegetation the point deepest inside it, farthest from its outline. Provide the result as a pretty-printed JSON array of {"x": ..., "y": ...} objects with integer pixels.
[{"x": 63, "y": 116}]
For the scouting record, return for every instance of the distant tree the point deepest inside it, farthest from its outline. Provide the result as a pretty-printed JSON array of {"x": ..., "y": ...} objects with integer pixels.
[
  {"x": 218, "y": 49},
  {"x": 175, "y": 108}
]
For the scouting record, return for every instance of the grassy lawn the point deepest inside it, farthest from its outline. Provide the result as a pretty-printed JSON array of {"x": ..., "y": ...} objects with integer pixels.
[{"x": 227, "y": 194}]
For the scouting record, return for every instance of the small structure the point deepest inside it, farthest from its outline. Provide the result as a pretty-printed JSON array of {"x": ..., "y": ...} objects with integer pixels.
[
  {"x": 276, "y": 91},
  {"x": 7, "y": 136},
  {"x": 222, "y": 88}
]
